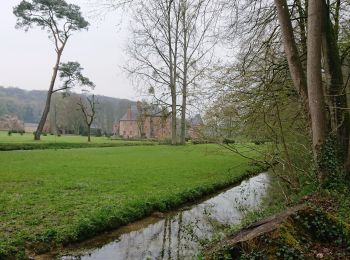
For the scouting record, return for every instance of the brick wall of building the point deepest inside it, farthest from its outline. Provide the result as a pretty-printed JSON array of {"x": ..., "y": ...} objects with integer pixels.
[
  {"x": 129, "y": 129},
  {"x": 153, "y": 126}
]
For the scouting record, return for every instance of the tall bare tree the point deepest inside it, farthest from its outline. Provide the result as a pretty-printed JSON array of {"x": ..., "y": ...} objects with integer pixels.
[
  {"x": 290, "y": 47},
  {"x": 198, "y": 37},
  {"x": 177, "y": 39},
  {"x": 59, "y": 19},
  {"x": 154, "y": 51},
  {"x": 88, "y": 109}
]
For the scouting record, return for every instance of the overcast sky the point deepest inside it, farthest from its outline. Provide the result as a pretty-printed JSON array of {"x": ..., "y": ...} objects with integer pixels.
[{"x": 27, "y": 58}]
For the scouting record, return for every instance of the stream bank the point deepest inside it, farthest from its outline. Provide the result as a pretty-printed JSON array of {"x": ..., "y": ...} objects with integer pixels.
[{"x": 176, "y": 235}]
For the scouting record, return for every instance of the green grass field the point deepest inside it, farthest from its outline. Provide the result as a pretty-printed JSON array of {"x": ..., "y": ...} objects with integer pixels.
[
  {"x": 26, "y": 142},
  {"x": 50, "y": 197}
]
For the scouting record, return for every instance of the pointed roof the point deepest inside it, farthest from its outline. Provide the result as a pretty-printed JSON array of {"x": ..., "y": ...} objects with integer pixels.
[{"x": 131, "y": 115}]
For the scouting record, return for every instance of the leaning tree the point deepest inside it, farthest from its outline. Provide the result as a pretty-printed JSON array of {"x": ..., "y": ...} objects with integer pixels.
[{"x": 60, "y": 20}]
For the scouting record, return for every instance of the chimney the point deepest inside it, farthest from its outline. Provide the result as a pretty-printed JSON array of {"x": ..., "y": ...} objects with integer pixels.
[{"x": 129, "y": 113}]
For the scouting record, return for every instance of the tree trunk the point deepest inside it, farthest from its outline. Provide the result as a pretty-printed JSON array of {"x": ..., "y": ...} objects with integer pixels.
[
  {"x": 183, "y": 117},
  {"x": 314, "y": 78},
  {"x": 172, "y": 74},
  {"x": 184, "y": 82},
  {"x": 290, "y": 48},
  {"x": 337, "y": 99},
  {"x": 346, "y": 79},
  {"x": 336, "y": 20},
  {"x": 302, "y": 25},
  {"x": 89, "y": 133},
  {"x": 173, "y": 125},
  {"x": 46, "y": 111}
]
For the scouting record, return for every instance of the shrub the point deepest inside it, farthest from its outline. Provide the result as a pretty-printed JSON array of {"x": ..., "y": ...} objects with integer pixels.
[
  {"x": 115, "y": 137},
  {"x": 228, "y": 141},
  {"x": 9, "y": 133},
  {"x": 165, "y": 141},
  {"x": 98, "y": 133},
  {"x": 259, "y": 142},
  {"x": 199, "y": 141}
]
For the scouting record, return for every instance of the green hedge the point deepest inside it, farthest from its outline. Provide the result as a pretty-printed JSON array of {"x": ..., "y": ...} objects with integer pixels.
[{"x": 43, "y": 146}]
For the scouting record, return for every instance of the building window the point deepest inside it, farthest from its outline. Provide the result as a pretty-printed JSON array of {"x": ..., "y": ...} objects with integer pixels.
[{"x": 130, "y": 132}]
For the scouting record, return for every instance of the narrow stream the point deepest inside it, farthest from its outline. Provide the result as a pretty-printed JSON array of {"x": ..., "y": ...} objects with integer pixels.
[{"x": 176, "y": 235}]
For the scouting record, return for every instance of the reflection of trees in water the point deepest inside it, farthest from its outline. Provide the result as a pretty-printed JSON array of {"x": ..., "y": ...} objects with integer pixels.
[
  {"x": 164, "y": 237},
  {"x": 169, "y": 240},
  {"x": 172, "y": 230},
  {"x": 162, "y": 240},
  {"x": 179, "y": 236}
]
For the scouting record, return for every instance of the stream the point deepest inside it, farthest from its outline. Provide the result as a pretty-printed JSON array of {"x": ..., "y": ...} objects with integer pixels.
[{"x": 176, "y": 235}]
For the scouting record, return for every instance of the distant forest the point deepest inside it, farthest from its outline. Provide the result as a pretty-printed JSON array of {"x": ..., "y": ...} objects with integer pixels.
[{"x": 28, "y": 106}]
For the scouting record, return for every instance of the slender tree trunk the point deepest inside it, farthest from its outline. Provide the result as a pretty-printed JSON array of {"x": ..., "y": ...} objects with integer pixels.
[
  {"x": 185, "y": 67},
  {"x": 171, "y": 79},
  {"x": 172, "y": 72},
  {"x": 89, "y": 133},
  {"x": 314, "y": 78},
  {"x": 46, "y": 111},
  {"x": 336, "y": 20},
  {"x": 183, "y": 116},
  {"x": 290, "y": 48},
  {"x": 173, "y": 121},
  {"x": 302, "y": 25},
  {"x": 346, "y": 81}
]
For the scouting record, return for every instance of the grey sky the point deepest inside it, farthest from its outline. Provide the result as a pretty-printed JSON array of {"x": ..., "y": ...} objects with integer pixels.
[{"x": 27, "y": 58}]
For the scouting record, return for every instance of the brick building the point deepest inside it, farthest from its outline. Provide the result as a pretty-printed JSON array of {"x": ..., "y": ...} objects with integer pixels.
[{"x": 135, "y": 124}]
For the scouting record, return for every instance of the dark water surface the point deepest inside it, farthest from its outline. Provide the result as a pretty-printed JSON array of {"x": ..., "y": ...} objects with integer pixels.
[{"x": 176, "y": 235}]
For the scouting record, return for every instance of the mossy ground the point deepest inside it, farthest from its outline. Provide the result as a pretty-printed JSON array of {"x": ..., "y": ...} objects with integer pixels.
[{"x": 311, "y": 233}]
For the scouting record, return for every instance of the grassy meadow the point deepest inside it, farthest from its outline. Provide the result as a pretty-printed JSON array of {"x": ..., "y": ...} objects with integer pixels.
[{"x": 55, "y": 197}]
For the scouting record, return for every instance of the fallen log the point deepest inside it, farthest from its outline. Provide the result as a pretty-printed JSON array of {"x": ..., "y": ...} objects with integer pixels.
[{"x": 293, "y": 234}]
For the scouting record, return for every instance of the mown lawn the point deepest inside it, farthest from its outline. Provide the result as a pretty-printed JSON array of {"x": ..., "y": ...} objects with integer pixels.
[{"x": 57, "y": 197}]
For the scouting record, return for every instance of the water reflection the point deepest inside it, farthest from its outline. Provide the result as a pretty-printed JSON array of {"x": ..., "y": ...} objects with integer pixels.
[{"x": 177, "y": 236}]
